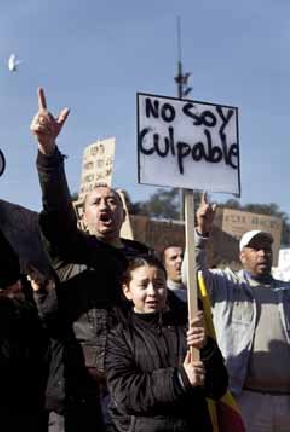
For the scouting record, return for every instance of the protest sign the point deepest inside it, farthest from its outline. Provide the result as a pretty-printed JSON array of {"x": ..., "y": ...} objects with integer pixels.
[
  {"x": 97, "y": 165},
  {"x": 190, "y": 145},
  {"x": 187, "y": 144}
]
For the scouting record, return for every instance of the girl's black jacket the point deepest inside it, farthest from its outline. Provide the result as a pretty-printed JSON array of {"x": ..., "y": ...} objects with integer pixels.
[{"x": 148, "y": 385}]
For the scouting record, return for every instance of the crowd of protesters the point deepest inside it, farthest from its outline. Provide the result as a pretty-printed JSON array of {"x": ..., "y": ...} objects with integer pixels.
[{"x": 104, "y": 343}]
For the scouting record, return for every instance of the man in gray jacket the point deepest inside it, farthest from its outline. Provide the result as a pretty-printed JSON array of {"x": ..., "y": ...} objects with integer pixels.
[{"x": 251, "y": 312}]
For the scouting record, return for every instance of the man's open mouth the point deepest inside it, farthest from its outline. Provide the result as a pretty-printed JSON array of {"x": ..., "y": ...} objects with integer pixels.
[{"x": 105, "y": 218}]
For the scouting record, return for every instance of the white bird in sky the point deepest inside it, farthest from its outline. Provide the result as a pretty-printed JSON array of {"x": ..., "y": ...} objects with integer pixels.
[{"x": 13, "y": 63}]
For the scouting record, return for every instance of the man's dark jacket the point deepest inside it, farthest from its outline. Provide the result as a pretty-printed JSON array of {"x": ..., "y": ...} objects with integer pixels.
[{"x": 89, "y": 272}]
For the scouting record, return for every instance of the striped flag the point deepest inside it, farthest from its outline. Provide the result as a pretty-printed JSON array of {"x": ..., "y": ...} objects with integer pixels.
[{"x": 225, "y": 415}]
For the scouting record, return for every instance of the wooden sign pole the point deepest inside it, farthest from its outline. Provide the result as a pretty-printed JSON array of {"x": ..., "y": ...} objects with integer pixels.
[{"x": 192, "y": 295}]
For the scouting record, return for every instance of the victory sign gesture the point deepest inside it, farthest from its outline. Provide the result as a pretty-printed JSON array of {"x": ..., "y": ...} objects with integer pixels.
[{"x": 45, "y": 126}]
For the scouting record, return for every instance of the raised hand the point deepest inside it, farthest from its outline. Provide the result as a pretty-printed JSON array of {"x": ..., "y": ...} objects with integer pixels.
[
  {"x": 45, "y": 126},
  {"x": 205, "y": 216},
  {"x": 196, "y": 336},
  {"x": 194, "y": 371}
]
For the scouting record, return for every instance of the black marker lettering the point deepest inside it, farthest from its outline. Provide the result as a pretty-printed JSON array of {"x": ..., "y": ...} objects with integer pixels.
[
  {"x": 208, "y": 119},
  {"x": 223, "y": 137},
  {"x": 197, "y": 152},
  {"x": 168, "y": 113},
  {"x": 234, "y": 153},
  {"x": 183, "y": 150},
  {"x": 225, "y": 119},
  {"x": 170, "y": 140},
  {"x": 186, "y": 109},
  {"x": 164, "y": 145},
  {"x": 142, "y": 136},
  {"x": 215, "y": 153},
  {"x": 157, "y": 148},
  {"x": 151, "y": 110}
]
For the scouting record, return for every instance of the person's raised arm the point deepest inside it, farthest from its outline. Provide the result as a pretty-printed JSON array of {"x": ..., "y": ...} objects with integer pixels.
[
  {"x": 58, "y": 220},
  {"x": 45, "y": 127},
  {"x": 205, "y": 218}
]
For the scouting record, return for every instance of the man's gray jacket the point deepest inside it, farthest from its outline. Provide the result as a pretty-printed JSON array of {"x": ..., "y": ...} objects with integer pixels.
[{"x": 235, "y": 313}]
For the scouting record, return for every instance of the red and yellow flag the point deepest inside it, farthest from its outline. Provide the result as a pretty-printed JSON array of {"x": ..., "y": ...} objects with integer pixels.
[{"x": 225, "y": 415}]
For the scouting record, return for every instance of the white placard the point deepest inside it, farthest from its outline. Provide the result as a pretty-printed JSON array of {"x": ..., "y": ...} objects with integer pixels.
[
  {"x": 187, "y": 144},
  {"x": 97, "y": 166}
]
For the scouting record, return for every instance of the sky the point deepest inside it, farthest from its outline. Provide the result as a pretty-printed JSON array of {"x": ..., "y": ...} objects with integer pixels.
[{"x": 93, "y": 56}]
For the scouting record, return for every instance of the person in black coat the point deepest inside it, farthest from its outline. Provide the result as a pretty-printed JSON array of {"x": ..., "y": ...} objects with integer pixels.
[
  {"x": 154, "y": 385},
  {"x": 23, "y": 352},
  {"x": 88, "y": 265},
  {"x": 43, "y": 292}
]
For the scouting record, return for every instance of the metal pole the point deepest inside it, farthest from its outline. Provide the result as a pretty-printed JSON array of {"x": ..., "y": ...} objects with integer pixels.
[
  {"x": 178, "y": 77},
  {"x": 178, "y": 80}
]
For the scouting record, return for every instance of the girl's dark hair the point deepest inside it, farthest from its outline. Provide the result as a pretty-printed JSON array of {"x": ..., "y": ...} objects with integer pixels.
[{"x": 141, "y": 261}]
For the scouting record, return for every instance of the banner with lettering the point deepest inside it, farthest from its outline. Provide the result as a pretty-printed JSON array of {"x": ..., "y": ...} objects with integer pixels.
[
  {"x": 187, "y": 144},
  {"x": 97, "y": 166}
]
